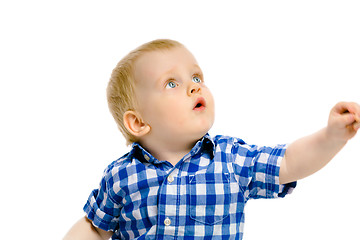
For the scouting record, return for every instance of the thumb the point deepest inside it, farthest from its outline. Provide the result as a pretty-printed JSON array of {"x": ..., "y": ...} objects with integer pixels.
[
  {"x": 345, "y": 119},
  {"x": 356, "y": 126}
]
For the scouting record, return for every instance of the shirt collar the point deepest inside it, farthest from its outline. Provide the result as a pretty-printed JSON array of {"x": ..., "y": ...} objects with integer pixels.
[
  {"x": 205, "y": 144},
  {"x": 142, "y": 154}
]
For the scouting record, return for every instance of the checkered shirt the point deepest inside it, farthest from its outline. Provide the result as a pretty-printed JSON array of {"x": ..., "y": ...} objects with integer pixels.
[{"x": 202, "y": 197}]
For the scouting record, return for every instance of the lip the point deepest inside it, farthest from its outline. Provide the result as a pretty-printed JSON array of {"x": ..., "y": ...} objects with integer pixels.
[{"x": 200, "y": 104}]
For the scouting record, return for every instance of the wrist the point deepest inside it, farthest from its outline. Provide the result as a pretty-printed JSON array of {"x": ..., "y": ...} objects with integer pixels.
[{"x": 333, "y": 138}]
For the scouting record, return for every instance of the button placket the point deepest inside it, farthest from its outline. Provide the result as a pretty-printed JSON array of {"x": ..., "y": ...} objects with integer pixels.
[{"x": 168, "y": 203}]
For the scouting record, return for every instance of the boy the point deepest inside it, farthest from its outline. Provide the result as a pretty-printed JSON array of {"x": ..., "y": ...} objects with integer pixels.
[{"x": 177, "y": 181}]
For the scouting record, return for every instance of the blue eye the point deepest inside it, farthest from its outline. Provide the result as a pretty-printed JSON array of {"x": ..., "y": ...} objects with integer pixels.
[
  {"x": 170, "y": 85},
  {"x": 196, "y": 80}
]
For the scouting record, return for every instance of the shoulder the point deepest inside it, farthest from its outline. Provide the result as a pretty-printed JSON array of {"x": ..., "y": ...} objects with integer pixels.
[
  {"x": 223, "y": 141},
  {"x": 228, "y": 147},
  {"x": 116, "y": 176},
  {"x": 116, "y": 167},
  {"x": 237, "y": 146}
]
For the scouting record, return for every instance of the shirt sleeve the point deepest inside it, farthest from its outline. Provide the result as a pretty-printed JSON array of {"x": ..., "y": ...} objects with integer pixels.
[
  {"x": 258, "y": 170},
  {"x": 101, "y": 208}
]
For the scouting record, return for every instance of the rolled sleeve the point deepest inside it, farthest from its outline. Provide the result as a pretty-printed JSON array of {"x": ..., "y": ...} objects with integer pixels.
[
  {"x": 259, "y": 170},
  {"x": 101, "y": 209}
]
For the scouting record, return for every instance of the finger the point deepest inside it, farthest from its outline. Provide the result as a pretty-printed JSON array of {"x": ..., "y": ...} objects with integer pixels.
[
  {"x": 357, "y": 118},
  {"x": 355, "y": 109},
  {"x": 351, "y": 107},
  {"x": 341, "y": 107},
  {"x": 356, "y": 126},
  {"x": 345, "y": 119}
]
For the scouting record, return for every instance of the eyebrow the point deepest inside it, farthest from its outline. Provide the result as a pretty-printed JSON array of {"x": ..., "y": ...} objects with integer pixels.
[{"x": 199, "y": 69}]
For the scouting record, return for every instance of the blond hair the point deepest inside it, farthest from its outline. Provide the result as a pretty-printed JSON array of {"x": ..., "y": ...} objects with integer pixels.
[{"x": 120, "y": 89}]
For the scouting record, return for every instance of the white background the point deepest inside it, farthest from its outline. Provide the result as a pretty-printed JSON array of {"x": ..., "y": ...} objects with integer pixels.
[{"x": 275, "y": 68}]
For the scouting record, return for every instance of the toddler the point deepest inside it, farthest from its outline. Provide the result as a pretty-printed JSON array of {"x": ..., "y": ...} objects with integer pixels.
[{"x": 177, "y": 181}]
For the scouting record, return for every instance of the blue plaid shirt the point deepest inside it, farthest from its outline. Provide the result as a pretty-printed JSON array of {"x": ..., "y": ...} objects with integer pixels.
[{"x": 202, "y": 197}]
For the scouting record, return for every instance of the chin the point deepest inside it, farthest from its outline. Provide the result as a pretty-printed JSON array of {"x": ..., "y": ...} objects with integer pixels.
[
  {"x": 204, "y": 129},
  {"x": 206, "y": 126}
]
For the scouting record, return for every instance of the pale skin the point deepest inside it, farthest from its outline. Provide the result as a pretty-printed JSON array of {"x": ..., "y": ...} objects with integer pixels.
[
  {"x": 173, "y": 100},
  {"x": 309, "y": 154}
]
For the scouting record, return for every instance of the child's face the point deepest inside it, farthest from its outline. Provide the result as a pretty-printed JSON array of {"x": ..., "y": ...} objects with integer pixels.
[{"x": 172, "y": 96}]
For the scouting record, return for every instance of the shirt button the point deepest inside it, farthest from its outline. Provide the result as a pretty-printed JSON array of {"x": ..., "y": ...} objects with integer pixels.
[
  {"x": 146, "y": 157},
  {"x": 167, "y": 221},
  {"x": 170, "y": 178}
]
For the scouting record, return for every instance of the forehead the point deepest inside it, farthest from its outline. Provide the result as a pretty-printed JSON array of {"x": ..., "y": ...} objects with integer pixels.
[{"x": 156, "y": 63}]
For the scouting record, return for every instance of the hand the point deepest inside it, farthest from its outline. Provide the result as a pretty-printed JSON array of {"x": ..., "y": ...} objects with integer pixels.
[{"x": 344, "y": 121}]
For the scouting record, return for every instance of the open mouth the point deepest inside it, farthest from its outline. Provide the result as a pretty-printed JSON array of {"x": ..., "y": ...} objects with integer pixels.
[{"x": 200, "y": 104}]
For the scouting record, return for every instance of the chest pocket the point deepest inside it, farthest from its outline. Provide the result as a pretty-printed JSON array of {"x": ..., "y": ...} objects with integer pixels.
[{"x": 210, "y": 197}]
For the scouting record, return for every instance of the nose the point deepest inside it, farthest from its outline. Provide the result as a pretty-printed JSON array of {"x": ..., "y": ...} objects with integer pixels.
[{"x": 194, "y": 88}]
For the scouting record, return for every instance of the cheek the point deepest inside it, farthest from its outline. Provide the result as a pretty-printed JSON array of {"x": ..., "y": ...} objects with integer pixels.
[
  {"x": 173, "y": 109},
  {"x": 210, "y": 102},
  {"x": 167, "y": 111}
]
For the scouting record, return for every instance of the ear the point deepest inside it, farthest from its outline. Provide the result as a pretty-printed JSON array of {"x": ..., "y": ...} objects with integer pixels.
[{"x": 134, "y": 124}]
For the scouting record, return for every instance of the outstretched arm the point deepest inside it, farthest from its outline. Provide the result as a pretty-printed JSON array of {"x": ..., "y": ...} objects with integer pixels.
[{"x": 309, "y": 154}]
